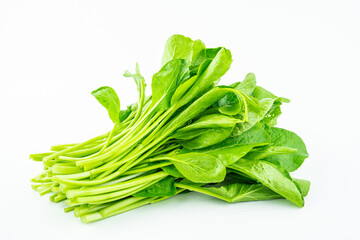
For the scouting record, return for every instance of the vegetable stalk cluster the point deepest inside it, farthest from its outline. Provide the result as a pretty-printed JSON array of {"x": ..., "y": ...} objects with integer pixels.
[{"x": 191, "y": 134}]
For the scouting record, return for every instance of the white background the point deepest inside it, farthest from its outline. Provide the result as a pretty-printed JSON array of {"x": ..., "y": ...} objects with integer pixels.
[{"x": 53, "y": 53}]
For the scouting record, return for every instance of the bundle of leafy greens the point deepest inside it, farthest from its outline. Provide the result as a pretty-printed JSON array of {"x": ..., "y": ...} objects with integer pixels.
[{"x": 191, "y": 134}]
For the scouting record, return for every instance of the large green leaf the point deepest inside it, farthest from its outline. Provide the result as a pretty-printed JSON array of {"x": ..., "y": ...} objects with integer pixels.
[
  {"x": 272, "y": 115},
  {"x": 198, "y": 106},
  {"x": 269, "y": 151},
  {"x": 203, "y": 55},
  {"x": 261, "y": 93},
  {"x": 213, "y": 71},
  {"x": 181, "y": 89},
  {"x": 231, "y": 107},
  {"x": 272, "y": 177},
  {"x": 162, "y": 188},
  {"x": 198, "y": 46},
  {"x": 228, "y": 154},
  {"x": 123, "y": 114},
  {"x": 256, "y": 134},
  {"x": 110, "y": 100},
  {"x": 241, "y": 192},
  {"x": 303, "y": 186},
  {"x": 199, "y": 167},
  {"x": 256, "y": 111},
  {"x": 248, "y": 85},
  {"x": 187, "y": 135},
  {"x": 178, "y": 47},
  {"x": 236, "y": 192},
  {"x": 286, "y": 138},
  {"x": 230, "y": 104},
  {"x": 274, "y": 112},
  {"x": 208, "y": 138},
  {"x": 233, "y": 148},
  {"x": 165, "y": 82},
  {"x": 172, "y": 171}
]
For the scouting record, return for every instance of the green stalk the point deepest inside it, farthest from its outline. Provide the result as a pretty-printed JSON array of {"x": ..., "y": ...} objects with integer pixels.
[
  {"x": 141, "y": 151},
  {"x": 98, "y": 216},
  {"x": 86, "y": 209},
  {"x": 157, "y": 125},
  {"x": 61, "y": 147},
  {"x": 108, "y": 139},
  {"x": 65, "y": 178},
  {"x": 39, "y": 156},
  {"x": 148, "y": 168},
  {"x": 68, "y": 209},
  {"x": 58, "y": 169},
  {"x": 113, "y": 149},
  {"x": 165, "y": 150},
  {"x": 140, "y": 103},
  {"x": 197, "y": 189},
  {"x": 116, "y": 187},
  {"x": 77, "y": 146},
  {"x": 113, "y": 196},
  {"x": 123, "y": 206}
]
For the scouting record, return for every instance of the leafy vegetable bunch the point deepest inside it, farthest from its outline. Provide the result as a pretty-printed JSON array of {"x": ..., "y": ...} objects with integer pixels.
[{"x": 191, "y": 134}]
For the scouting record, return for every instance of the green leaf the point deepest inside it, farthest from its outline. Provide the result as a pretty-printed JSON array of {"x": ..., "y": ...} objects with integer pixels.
[
  {"x": 274, "y": 112},
  {"x": 233, "y": 148},
  {"x": 256, "y": 112},
  {"x": 203, "y": 55},
  {"x": 178, "y": 47},
  {"x": 241, "y": 192},
  {"x": 303, "y": 185},
  {"x": 210, "y": 137},
  {"x": 162, "y": 188},
  {"x": 199, "y": 167},
  {"x": 272, "y": 177},
  {"x": 214, "y": 70},
  {"x": 138, "y": 78},
  {"x": 108, "y": 98},
  {"x": 230, "y": 154},
  {"x": 231, "y": 108},
  {"x": 261, "y": 93},
  {"x": 189, "y": 134},
  {"x": 248, "y": 85},
  {"x": 186, "y": 85},
  {"x": 239, "y": 177},
  {"x": 172, "y": 171},
  {"x": 272, "y": 115},
  {"x": 211, "y": 121},
  {"x": 180, "y": 90},
  {"x": 198, "y": 46},
  {"x": 165, "y": 82},
  {"x": 231, "y": 103},
  {"x": 198, "y": 106},
  {"x": 285, "y": 138},
  {"x": 265, "y": 152},
  {"x": 123, "y": 114},
  {"x": 236, "y": 192},
  {"x": 256, "y": 134}
]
